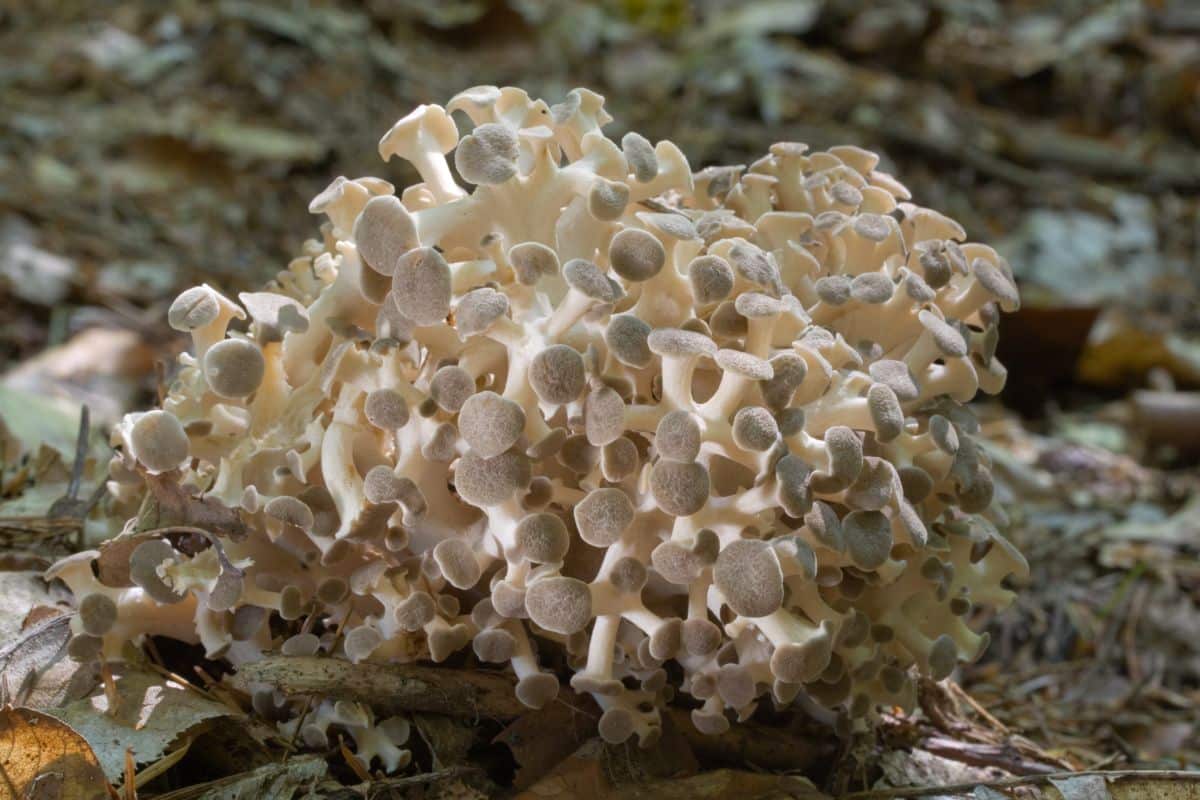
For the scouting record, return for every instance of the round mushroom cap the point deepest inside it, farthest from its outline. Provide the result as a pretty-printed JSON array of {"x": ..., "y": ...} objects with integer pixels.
[
  {"x": 754, "y": 265},
  {"x": 559, "y": 604},
  {"x": 360, "y": 642},
  {"x": 487, "y": 155},
  {"x": 607, "y": 199},
  {"x": 532, "y": 261},
  {"x": 603, "y": 515},
  {"x": 543, "y": 538},
  {"x": 896, "y": 376},
  {"x": 386, "y": 409},
  {"x": 700, "y": 637},
  {"x": 97, "y": 613},
  {"x": 585, "y": 277},
  {"x": 194, "y": 308},
  {"x": 619, "y": 459},
  {"x": 290, "y": 510},
  {"x": 616, "y": 725},
  {"x": 557, "y": 374},
  {"x": 639, "y": 154},
  {"x": 456, "y": 559},
  {"x": 997, "y": 284},
  {"x": 627, "y": 339},
  {"x": 604, "y": 416},
  {"x": 886, "y": 414},
  {"x": 383, "y": 232},
  {"x": 158, "y": 441},
  {"x": 833, "y": 289},
  {"x": 490, "y": 424},
  {"x": 945, "y": 336},
  {"x": 636, "y": 255},
  {"x": 788, "y": 371},
  {"x": 144, "y": 562},
  {"x": 680, "y": 489},
  {"x": 745, "y": 365},
  {"x": 711, "y": 277},
  {"x": 671, "y": 224},
  {"x": 868, "y": 537},
  {"x": 677, "y": 437},
  {"x": 450, "y": 388},
  {"x": 872, "y": 288},
  {"x": 538, "y": 689},
  {"x": 478, "y": 310},
  {"x": 234, "y": 368},
  {"x": 421, "y": 286},
  {"x": 415, "y": 611},
  {"x": 748, "y": 574},
  {"x": 494, "y": 646},
  {"x": 668, "y": 342},
  {"x": 755, "y": 429},
  {"x": 487, "y": 482}
]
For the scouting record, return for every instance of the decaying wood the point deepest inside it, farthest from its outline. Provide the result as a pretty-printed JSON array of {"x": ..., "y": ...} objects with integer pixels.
[
  {"x": 765, "y": 747},
  {"x": 389, "y": 688}
]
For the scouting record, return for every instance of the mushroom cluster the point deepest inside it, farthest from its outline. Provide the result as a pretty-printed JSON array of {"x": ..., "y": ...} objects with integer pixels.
[{"x": 683, "y": 433}]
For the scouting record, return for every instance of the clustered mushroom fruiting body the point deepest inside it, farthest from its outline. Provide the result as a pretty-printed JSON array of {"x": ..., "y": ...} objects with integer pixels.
[{"x": 652, "y": 416}]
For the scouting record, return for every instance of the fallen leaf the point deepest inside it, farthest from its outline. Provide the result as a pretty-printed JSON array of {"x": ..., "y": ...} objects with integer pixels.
[
  {"x": 269, "y": 782},
  {"x": 36, "y": 672},
  {"x": 41, "y": 757},
  {"x": 151, "y": 712},
  {"x": 1082, "y": 787}
]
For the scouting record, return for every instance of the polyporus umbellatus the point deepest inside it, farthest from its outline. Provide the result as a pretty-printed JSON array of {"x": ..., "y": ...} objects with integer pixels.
[{"x": 597, "y": 402}]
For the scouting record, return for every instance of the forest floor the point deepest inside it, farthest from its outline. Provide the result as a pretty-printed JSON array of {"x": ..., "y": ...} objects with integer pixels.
[{"x": 148, "y": 147}]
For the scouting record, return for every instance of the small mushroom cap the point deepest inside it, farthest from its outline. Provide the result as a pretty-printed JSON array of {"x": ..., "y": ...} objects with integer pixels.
[
  {"x": 749, "y": 576},
  {"x": 896, "y": 376},
  {"x": 234, "y": 368},
  {"x": 425, "y": 126},
  {"x": 559, "y": 604},
  {"x": 628, "y": 575},
  {"x": 415, "y": 611},
  {"x": 788, "y": 371},
  {"x": 494, "y": 646},
  {"x": 143, "y": 570},
  {"x": 711, "y": 277},
  {"x": 792, "y": 475},
  {"x": 668, "y": 342},
  {"x": 194, "y": 308},
  {"x": 803, "y": 662},
  {"x": 536, "y": 690},
  {"x": 680, "y": 489},
  {"x": 490, "y": 424},
  {"x": 604, "y": 416},
  {"x": 607, "y": 199},
  {"x": 616, "y": 725},
  {"x": 700, "y": 637},
  {"x": 532, "y": 261},
  {"x": 756, "y": 305},
  {"x": 578, "y": 454},
  {"x": 557, "y": 374},
  {"x": 754, "y": 265},
  {"x": 677, "y": 437},
  {"x": 290, "y": 510},
  {"x": 947, "y": 338},
  {"x": 386, "y": 409},
  {"x": 619, "y": 459},
  {"x": 872, "y": 288},
  {"x": 627, "y": 338},
  {"x": 671, "y": 224},
  {"x": 457, "y": 561},
  {"x": 636, "y": 255},
  {"x": 383, "y": 232},
  {"x": 833, "y": 289},
  {"x": 302, "y": 644},
  {"x": 360, "y": 642},
  {"x": 868, "y": 537},
  {"x": 97, "y": 613},
  {"x": 585, "y": 277},
  {"x": 543, "y": 538},
  {"x": 603, "y": 516},
  {"x": 487, "y": 482},
  {"x": 421, "y": 286},
  {"x": 886, "y": 414},
  {"x": 487, "y": 155},
  {"x": 676, "y": 563},
  {"x": 744, "y": 364},
  {"x": 755, "y": 429},
  {"x": 997, "y": 284},
  {"x": 450, "y": 388},
  {"x": 158, "y": 441},
  {"x": 639, "y": 153},
  {"x": 478, "y": 310}
]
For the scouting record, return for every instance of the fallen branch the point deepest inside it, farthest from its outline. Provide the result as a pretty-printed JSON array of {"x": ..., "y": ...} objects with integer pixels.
[{"x": 389, "y": 688}]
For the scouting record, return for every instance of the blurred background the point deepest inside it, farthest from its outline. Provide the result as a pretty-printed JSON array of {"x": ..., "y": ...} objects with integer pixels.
[{"x": 149, "y": 146}]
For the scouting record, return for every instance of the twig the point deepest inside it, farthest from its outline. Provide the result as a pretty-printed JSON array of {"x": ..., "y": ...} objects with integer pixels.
[{"x": 1026, "y": 780}]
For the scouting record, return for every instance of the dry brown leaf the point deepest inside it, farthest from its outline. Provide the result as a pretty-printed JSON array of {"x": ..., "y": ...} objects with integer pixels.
[{"x": 41, "y": 757}]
